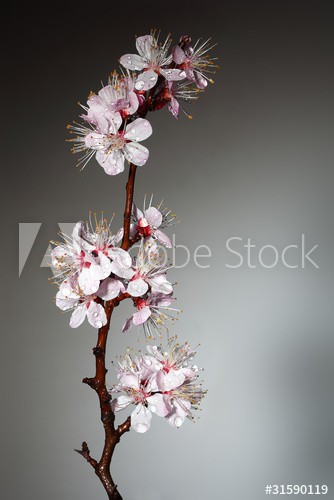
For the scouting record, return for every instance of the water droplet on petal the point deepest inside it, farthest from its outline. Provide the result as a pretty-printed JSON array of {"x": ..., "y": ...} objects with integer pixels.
[
  {"x": 148, "y": 362},
  {"x": 153, "y": 408},
  {"x": 178, "y": 421},
  {"x": 99, "y": 324},
  {"x": 141, "y": 427},
  {"x": 140, "y": 85}
]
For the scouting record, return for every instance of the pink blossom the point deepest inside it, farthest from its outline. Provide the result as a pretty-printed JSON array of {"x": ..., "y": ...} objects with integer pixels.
[
  {"x": 117, "y": 96},
  {"x": 90, "y": 256},
  {"x": 147, "y": 273},
  {"x": 110, "y": 144},
  {"x": 194, "y": 61},
  {"x": 97, "y": 238},
  {"x": 69, "y": 297},
  {"x": 183, "y": 91},
  {"x": 160, "y": 383},
  {"x": 148, "y": 223},
  {"x": 153, "y": 58},
  {"x": 71, "y": 259},
  {"x": 151, "y": 312},
  {"x": 137, "y": 379}
]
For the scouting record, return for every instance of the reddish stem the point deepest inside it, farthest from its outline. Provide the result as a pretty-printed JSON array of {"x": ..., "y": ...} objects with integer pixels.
[
  {"x": 130, "y": 185},
  {"x": 98, "y": 383}
]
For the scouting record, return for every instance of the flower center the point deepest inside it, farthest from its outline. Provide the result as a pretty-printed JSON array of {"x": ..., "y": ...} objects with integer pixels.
[
  {"x": 140, "y": 304},
  {"x": 140, "y": 396},
  {"x": 82, "y": 260},
  {"x": 116, "y": 141},
  {"x": 143, "y": 228}
]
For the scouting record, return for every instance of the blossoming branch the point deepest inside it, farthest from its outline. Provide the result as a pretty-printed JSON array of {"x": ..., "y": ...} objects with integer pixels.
[{"x": 93, "y": 268}]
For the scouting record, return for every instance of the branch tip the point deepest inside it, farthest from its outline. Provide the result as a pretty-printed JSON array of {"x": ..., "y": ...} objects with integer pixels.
[
  {"x": 85, "y": 452},
  {"x": 124, "y": 427}
]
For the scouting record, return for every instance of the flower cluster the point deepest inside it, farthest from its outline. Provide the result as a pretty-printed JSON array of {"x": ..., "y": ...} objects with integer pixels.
[
  {"x": 90, "y": 268},
  {"x": 114, "y": 123},
  {"x": 163, "y": 382}
]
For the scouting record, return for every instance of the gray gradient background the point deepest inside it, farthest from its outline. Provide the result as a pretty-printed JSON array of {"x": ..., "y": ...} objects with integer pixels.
[{"x": 256, "y": 161}]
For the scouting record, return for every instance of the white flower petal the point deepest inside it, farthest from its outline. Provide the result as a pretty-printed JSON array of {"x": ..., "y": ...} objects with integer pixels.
[
  {"x": 127, "y": 325},
  {"x": 137, "y": 287},
  {"x": 102, "y": 268},
  {"x": 173, "y": 75},
  {"x": 139, "y": 130},
  {"x": 174, "y": 107},
  {"x": 182, "y": 408},
  {"x": 141, "y": 419},
  {"x": 78, "y": 316},
  {"x": 163, "y": 238},
  {"x": 141, "y": 316},
  {"x": 96, "y": 315},
  {"x": 179, "y": 55},
  {"x": 170, "y": 380},
  {"x": 153, "y": 217},
  {"x": 134, "y": 103},
  {"x": 112, "y": 162},
  {"x": 77, "y": 237},
  {"x": 136, "y": 153},
  {"x": 64, "y": 303},
  {"x": 160, "y": 284},
  {"x": 119, "y": 235},
  {"x": 109, "y": 289},
  {"x": 106, "y": 121},
  {"x": 146, "y": 80},
  {"x": 115, "y": 121},
  {"x": 95, "y": 141},
  {"x": 133, "y": 62},
  {"x": 120, "y": 257},
  {"x": 87, "y": 283},
  {"x": 200, "y": 81},
  {"x": 122, "y": 272},
  {"x": 129, "y": 380},
  {"x": 144, "y": 46},
  {"x": 138, "y": 214},
  {"x": 121, "y": 402},
  {"x": 156, "y": 404},
  {"x": 164, "y": 302}
]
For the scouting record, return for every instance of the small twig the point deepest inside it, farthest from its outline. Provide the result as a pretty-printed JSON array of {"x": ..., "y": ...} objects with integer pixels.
[
  {"x": 124, "y": 427},
  {"x": 85, "y": 452}
]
